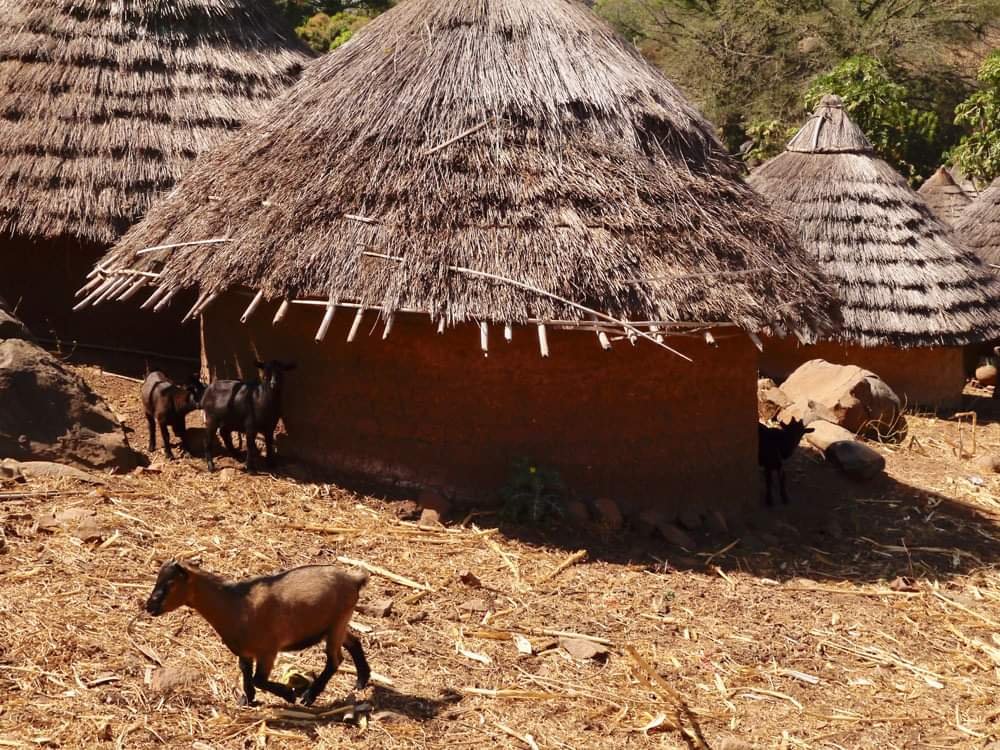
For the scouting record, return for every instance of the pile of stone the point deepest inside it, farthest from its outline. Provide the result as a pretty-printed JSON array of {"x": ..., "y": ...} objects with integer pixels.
[
  {"x": 841, "y": 403},
  {"x": 49, "y": 413}
]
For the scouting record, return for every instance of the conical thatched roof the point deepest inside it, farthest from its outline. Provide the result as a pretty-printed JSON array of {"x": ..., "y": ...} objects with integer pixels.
[
  {"x": 902, "y": 277},
  {"x": 944, "y": 196},
  {"x": 103, "y": 104},
  {"x": 521, "y": 138},
  {"x": 979, "y": 227}
]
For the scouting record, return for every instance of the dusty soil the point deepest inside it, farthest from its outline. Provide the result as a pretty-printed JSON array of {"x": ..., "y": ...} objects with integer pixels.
[{"x": 863, "y": 616}]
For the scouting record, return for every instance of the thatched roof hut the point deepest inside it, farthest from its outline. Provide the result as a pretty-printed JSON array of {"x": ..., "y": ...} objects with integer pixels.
[
  {"x": 944, "y": 196},
  {"x": 501, "y": 162},
  {"x": 979, "y": 227},
  {"x": 904, "y": 280},
  {"x": 104, "y": 105}
]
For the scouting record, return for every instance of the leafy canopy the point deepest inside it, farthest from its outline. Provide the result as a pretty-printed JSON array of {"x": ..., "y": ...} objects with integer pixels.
[{"x": 978, "y": 154}]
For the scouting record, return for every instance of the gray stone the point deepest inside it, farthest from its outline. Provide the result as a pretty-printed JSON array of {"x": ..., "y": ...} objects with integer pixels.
[
  {"x": 989, "y": 463},
  {"x": 986, "y": 375},
  {"x": 856, "y": 460}
]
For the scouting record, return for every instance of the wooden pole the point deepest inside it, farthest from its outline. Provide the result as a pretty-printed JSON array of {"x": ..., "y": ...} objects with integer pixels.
[
  {"x": 120, "y": 283},
  {"x": 194, "y": 308},
  {"x": 441, "y": 326},
  {"x": 216, "y": 241},
  {"x": 94, "y": 294},
  {"x": 388, "y": 326},
  {"x": 134, "y": 289},
  {"x": 153, "y": 298},
  {"x": 252, "y": 307},
  {"x": 324, "y": 327},
  {"x": 282, "y": 311},
  {"x": 356, "y": 325},
  {"x": 166, "y": 300},
  {"x": 484, "y": 338},
  {"x": 543, "y": 340},
  {"x": 508, "y": 333}
]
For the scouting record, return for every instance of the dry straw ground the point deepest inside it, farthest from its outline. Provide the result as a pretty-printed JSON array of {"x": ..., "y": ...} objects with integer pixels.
[{"x": 862, "y": 617}]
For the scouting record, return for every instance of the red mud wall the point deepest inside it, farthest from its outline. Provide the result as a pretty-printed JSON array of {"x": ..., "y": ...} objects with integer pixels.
[
  {"x": 931, "y": 377},
  {"x": 636, "y": 424},
  {"x": 41, "y": 278}
]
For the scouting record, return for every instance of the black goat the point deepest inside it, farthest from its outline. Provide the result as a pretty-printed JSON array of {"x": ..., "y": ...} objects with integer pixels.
[
  {"x": 167, "y": 404},
  {"x": 775, "y": 446},
  {"x": 250, "y": 407}
]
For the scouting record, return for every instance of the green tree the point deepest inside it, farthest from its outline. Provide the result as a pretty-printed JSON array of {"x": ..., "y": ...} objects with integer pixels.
[
  {"x": 902, "y": 133},
  {"x": 978, "y": 154},
  {"x": 323, "y": 32}
]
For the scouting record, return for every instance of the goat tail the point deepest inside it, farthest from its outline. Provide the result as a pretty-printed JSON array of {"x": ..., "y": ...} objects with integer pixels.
[{"x": 359, "y": 577}]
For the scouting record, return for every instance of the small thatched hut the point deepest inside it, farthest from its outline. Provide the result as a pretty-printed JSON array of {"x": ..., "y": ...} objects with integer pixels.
[
  {"x": 103, "y": 105},
  {"x": 912, "y": 295},
  {"x": 944, "y": 196},
  {"x": 979, "y": 227},
  {"x": 480, "y": 170}
]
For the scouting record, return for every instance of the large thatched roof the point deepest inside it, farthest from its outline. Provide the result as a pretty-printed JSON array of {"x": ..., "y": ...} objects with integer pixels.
[
  {"x": 944, "y": 196},
  {"x": 902, "y": 277},
  {"x": 521, "y": 138},
  {"x": 103, "y": 104},
  {"x": 979, "y": 227}
]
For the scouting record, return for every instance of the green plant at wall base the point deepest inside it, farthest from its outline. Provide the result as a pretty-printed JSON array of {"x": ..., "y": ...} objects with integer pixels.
[
  {"x": 978, "y": 154},
  {"x": 902, "y": 134},
  {"x": 533, "y": 494}
]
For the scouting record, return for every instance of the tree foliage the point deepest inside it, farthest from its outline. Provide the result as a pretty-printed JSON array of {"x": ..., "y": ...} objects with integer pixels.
[
  {"x": 978, "y": 154},
  {"x": 749, "y": 63},
  {"x": 326, "y": 24}
]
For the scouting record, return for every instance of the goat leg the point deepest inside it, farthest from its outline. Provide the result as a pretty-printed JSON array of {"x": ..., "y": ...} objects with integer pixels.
[
  {"x": 767, "y": 487},
  {"x": 210, "y": 429},
  {"x": 251, "y": 434},
  {"x": 334, "y": 641},
  {"x": 249, "y": 692},
  {"x": 260, "y": 679},
  {"x": 784, "y": 490},
  {"x": 227, "y": 440},
  {"x": 269, "y": 446},
  {"x": 165, "y": 434},
  {"x": 151, "y": 424},
  {"x": 353, "y": 646}
]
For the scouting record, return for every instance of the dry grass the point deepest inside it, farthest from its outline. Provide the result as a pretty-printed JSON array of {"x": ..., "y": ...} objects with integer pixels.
[{"x": 867, "y": 617}]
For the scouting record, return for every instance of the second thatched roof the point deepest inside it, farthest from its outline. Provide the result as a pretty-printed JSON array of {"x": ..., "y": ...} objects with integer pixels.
[
  {"x": 903, "y": 278},
  {"x": 944, "y": 196},
  {"x": 103, "y": 104},
  {"x": 979, "y": 227}
]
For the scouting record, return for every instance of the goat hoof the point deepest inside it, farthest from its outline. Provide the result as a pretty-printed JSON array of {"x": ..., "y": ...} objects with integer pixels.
[{"x": 247, "y": 703}]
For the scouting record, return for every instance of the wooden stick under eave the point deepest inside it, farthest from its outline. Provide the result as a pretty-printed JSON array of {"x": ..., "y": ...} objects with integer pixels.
[
  {"x": 484, "y": 338},
  {"x": 543, "y": 340},
  {"x": 508, "y": 333},
  {"x": 153, "y": 298},
  {"x": 324, "y": 327},
  {"x": 94, "y": 295},
  {"x": 252, "y": 307},
  {"x": 85, "y": 289},
  {"x": 655, "y": 330},
  {"x": 602, "y": 337},
  {"x": 356, "y": 325},
  {"x": 134, "y": 290},
  {"x": 120, "y": 283},
  {"x": 283, "y": 309},
  {"x": 166, "y": 300},
  {"x": 388, "y": 326},
  {"x": 441, "y": 326},
  {"x": 194, "y": 308}
]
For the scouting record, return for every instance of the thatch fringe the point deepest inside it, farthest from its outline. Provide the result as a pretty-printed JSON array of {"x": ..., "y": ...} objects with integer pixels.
[
  {"x": 903, "y": 278},
  {"x": 944, "y": 196},
  {"x": 520, "y": 138},
  {"x": 979, "y": 227},
  {"x": 103, "y": 105}
]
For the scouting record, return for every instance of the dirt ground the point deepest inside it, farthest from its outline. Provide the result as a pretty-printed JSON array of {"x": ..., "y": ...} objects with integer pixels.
[{"x": 863, "y": 616}]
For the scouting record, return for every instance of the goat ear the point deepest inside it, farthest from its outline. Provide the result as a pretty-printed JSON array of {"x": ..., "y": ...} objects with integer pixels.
[{"x": 807, "y": 430}]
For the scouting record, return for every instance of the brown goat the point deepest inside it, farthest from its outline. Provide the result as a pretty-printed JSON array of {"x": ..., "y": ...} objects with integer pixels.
[
  {"x": 167, "y": 404},
  {"x": 260, "y": 617}
]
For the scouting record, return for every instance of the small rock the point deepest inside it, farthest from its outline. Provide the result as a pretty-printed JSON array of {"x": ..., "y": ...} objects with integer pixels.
[
  {"x": 64, "y": 519},
  {"x": 407, "y": 510},
  {"x": 717, "y": 523},
  {"x": 676, "y": 536},
  {"x": 167, "y": 679},
  {"x": 51, "y": 470},
  {"x": 609, "y": 514},
  {"x": 975, "y": 480},
  {"x": 690, "y": 519},
  {"x": 856, "y": 459},
  {"x": 470, "y": 579},
  {"x": 648, "y": 520},
  {"x": 986, "y": 375},
  {"x": 582, "y": 649},
  {"x": 89, "y": 530},
  {"x": 376, "y": 608},
  {"x": 480, "y": 606},
  {"x": 989, "y": 463},
  {"x": 431, "y": 499},
  {"x": 227, "y": 475},
  {"x": 104, "y": 732},
  {"x": 578, "y": 513},
  {"x": 429, "y": 517}
]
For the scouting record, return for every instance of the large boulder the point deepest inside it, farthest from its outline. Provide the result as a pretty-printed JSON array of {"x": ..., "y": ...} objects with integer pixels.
[
  {"x": 839, "y": 446},
  {"x": 770, "y": 400},
  {"x": 11, "y": 327},
  {"x": 50, "y": 414},
  {"x": 858, "y": 400}
]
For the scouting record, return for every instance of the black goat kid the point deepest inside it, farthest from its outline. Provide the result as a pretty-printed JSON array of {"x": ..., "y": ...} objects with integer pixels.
[
  {"x": 167, "y": 404},
  {"x": 775, "y": 446},
  {"x": 251, "y": 407}
]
